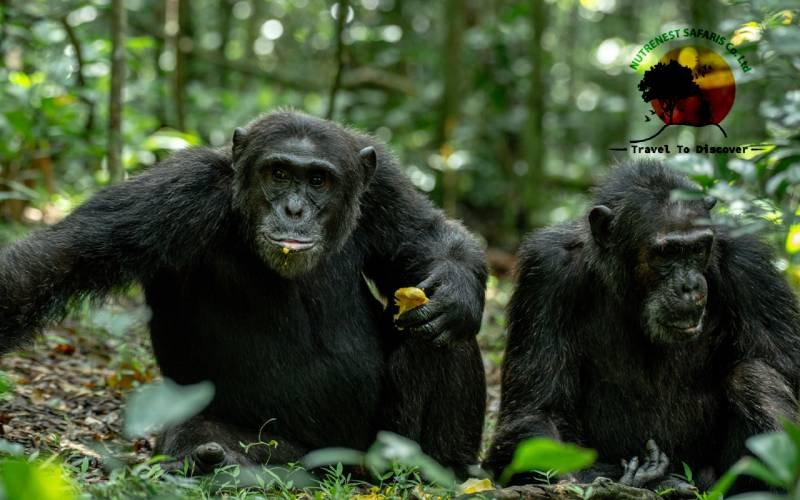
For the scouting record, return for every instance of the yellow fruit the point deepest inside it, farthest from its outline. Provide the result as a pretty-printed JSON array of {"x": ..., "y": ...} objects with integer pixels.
[{"x": 409, "y": 298}]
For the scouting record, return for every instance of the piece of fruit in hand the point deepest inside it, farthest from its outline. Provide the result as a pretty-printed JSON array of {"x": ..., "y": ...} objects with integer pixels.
[{"x": 409, "y": 298}]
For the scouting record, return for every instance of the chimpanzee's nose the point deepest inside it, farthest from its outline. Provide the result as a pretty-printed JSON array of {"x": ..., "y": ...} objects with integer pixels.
[
  {"x": 294, "y": 209},
  {"x": 693, "y": 290}
]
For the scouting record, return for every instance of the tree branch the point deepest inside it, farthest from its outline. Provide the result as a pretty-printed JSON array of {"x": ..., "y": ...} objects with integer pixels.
[
  {"x": 118, "y": 24},
  {"x": 343, "y": 7},
  {"x": 76, "y": 46}
]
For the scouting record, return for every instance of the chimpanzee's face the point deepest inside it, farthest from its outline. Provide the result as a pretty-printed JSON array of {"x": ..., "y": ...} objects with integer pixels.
[
  {"x": 300, "y": 192},
  {"x": 672, "y": 268},
  {"x": 665, "y": 249}
]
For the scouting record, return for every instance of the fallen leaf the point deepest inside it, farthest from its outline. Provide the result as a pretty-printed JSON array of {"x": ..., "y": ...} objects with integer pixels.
[
  {"x": 474, "y": 485},
  {"x": 64, "y": 349}
]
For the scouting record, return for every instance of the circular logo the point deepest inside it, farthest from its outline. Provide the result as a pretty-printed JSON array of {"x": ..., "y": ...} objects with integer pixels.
[{"x": 690, "y": 86}]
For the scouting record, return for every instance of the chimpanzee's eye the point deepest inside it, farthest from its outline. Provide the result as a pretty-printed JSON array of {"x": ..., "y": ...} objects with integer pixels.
[
  {"x": 317, "y": 179},
  {"x": 280, "y": 174}
]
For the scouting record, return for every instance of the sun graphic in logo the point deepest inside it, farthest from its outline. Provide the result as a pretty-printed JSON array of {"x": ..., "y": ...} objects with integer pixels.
[{"x": 689, "y": 86}]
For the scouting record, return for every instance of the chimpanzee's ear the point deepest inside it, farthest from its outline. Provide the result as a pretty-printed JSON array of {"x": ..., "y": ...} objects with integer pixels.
[
  {"x": 239, "y": 135},
  {"x": 600, "y": 218},
  {"x": 369, "y": 161}
]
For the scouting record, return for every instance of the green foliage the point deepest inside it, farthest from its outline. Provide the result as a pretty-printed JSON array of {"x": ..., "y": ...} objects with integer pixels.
[
  {"x": 164, "y": 404},
  {"x": 776, "y": 463},
  {"x": 22, "y": 479},
  {"x": 388, "y": 451},
  {"x": 544, "y": 454},
  {"x": 53, "y": 115}
]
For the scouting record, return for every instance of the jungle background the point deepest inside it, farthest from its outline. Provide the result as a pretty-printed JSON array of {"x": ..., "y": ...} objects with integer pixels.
[{"x": 502, "y": 111}]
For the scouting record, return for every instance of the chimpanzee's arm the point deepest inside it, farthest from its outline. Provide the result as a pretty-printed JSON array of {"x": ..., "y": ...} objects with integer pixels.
[
  {"x": 763, "y": 319},
  {"x": 541, "y": 367},
  {"x": 162, "y": 218},
  {"x": 411, "y": 243}
]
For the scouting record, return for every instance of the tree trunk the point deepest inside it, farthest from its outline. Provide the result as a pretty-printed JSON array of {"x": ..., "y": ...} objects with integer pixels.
[
  {"x": 172, "y": 31},
  {"x": 455, "y": 15},
  {"x": 118, "y": 26},
  {"x": 225, "y": 8},
  {"x": 534, "y": 131},
  {"x": 341, "y": 22}
]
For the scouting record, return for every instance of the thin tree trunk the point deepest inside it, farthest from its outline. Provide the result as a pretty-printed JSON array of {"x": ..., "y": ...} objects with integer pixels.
[
  {"x": 251, "y": 34},
  {"x": 225, "y": 8},
  {"x": 534, "y": 138},
  {"x": 172, "y": 30},
  {"x": 454, "y": 13},
  {"x": 79, "y": 75},
  {"x": 160, "y": 85},
  {"x": 118, "y": 27},
  {"x": 341, "y": 22}
]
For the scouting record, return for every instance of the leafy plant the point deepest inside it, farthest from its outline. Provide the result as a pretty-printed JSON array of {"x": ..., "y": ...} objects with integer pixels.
[
  {"x": 163, "y": 404},
  {"x": 389, "y": 450},
  {"x": 776, "y": 462},
  {"x": 544, "y": 454}
]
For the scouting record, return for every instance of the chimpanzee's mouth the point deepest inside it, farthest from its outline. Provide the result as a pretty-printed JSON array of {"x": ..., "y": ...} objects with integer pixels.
[
  {"x": 293, "y": 244},
  {"x": 687, "y": 327}
]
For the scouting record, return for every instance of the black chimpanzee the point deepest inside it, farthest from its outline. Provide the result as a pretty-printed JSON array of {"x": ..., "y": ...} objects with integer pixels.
[
  {"x": 254, "y": 261},
  {"x": 644, "y": 327}
]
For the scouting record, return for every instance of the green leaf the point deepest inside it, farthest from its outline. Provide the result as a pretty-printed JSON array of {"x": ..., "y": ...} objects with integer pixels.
[
  {"x": 758, "y": 495},
  {"x": 332, "y": 456},
  {"x": 544, "y": 454},
  {"x": 9, "y": 448},
  {"x": 780, "y": 455},
  {"x": 164, "y": 404},
  {"x": 23, "y": 480},
  {"x": 391, "y": 448},
  {"x": 6, "y": 383},
  {"x": 792, "y": 430},
  {"x": 687, "y": 473}
]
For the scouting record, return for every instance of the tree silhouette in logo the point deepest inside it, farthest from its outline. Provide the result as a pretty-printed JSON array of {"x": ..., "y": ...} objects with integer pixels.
[{"x": 670, "y": 85}]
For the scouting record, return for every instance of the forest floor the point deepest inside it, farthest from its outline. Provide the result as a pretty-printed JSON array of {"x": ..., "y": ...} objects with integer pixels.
[{"x": 68, "y": 389}]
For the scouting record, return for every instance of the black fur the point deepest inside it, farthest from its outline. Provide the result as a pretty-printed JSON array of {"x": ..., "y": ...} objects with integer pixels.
[
  {"x": 309, "y": 354},
  {"x": 581, "y": 365}
]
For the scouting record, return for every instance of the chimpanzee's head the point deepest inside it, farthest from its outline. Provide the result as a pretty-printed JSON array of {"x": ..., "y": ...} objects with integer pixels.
[
  {"x": 298, "y": 184},
  {"x": 658, "y": 247}
]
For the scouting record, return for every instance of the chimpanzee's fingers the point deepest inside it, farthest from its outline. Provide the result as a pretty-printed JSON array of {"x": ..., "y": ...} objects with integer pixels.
[
  {"x": 444, "y": 338},
  {"x": 429, "y": 330},
  {"x": 418, "y": 316},
  {"x": 429, "y": 284},
  {"x": 629, "y": 470},
  {"x": 663, "y": 463},
  {"x": 652, "y": 451}
]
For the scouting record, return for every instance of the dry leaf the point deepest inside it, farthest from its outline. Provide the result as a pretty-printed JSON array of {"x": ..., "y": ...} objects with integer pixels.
[{"x": 474, "y": 485}]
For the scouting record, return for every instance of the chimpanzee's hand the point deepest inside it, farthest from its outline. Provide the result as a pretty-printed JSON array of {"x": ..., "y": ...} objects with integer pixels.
[
  {"x": 453, "y": 312},
  {"x": 654, "y": 467}
]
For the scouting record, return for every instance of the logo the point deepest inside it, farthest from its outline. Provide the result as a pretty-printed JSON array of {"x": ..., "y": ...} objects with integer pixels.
[{"x": 691, "y": 84}]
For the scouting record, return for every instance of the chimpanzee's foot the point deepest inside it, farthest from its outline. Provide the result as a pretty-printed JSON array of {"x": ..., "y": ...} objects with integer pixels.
[
  {"x": 201, "y": 445},
  {"x": 674, "y": 487},
  {"x": 204, "y": 459}
]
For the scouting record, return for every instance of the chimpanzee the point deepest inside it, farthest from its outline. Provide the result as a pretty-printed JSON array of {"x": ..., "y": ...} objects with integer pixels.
[
  {"x": 254, "y": 259},
  {"x": 644, "y": 327}
]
